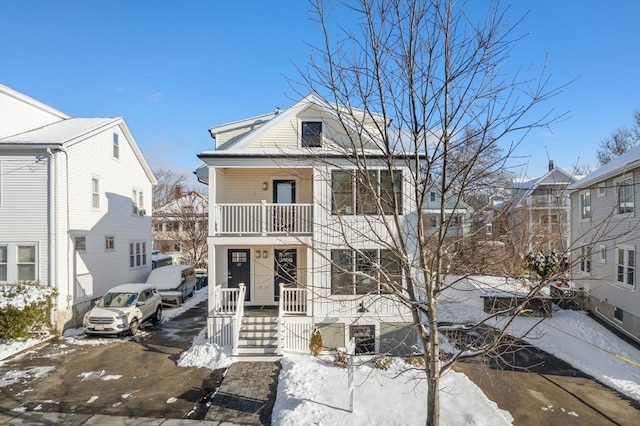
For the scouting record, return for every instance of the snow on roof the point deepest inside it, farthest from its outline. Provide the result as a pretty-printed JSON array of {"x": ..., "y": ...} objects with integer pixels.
[
  {"x": 59, "y": 132},
  {"x": 167, "y": 277},
  {"x": 627, "y": 161}
]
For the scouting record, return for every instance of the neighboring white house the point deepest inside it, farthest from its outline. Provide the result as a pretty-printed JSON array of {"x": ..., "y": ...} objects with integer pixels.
[
  {"x": 605, "y": 237},
  {"x": 280, "y": 187},
  {"x": 180, "y": 228},
  {"x": 75, "y": 204},
  {"x": 539, "y": 216}
]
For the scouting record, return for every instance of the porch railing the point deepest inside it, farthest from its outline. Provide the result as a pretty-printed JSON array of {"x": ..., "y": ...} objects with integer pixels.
[
  {"x": 548, "y": 201},
  {"x": 227, "y": 316},
  {"x": 293, "y": 301},
  {"x": 263, "y": 218}
]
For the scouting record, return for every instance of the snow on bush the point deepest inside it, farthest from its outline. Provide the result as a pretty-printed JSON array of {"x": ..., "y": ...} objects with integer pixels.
[{"x": 24, "y": 309}]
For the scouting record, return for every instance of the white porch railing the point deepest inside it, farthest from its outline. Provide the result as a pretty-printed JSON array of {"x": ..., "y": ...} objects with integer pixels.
[
  {"x": 263, "y": 218},
  {"x": 227, "y": 316},
  {"x": 293, "y": 301}
]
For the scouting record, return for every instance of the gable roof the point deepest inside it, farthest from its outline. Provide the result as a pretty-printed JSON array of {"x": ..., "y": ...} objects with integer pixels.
[
  {"x": 528, "y": 187},
  {"x": 176, "y": 206},
  {"x": 34, "y": 103},
  {"x": 71, "y": 131},
  {"x": 619, "y": 165}
]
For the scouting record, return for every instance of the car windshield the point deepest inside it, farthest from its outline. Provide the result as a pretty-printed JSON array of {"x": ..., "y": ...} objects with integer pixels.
[{"x": 117, "y": 300}]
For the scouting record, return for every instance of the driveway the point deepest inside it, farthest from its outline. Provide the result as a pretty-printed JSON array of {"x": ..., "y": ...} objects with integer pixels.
[{"x": 125, "y": 377}]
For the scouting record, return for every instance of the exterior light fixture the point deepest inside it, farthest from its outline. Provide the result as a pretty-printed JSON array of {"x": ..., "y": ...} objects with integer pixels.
[
  {"x": 265, "y": 185},
  {"x": 257, "y": 254},
  {"x": 264, "y": 254}
]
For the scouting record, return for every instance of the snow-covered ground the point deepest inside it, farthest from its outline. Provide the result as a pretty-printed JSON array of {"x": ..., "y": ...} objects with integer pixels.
[{"x": 313, "y": 391}]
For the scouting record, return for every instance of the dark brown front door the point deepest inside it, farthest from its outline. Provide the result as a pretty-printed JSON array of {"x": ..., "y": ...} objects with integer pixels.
[
  {"x": 286, "y": 270},
  {"x": 239, "y": 270}
]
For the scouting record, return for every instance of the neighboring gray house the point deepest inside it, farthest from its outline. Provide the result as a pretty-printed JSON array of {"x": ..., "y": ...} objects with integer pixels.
[
  {"x": 605, "y": 237},
  {"x": 457, "y": 212},
  {"x": 75, "y": 204}
]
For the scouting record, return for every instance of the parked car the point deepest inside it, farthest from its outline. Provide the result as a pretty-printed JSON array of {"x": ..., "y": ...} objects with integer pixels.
[
  {"x": 174, "y": 278},
  {"x": 123, "y": 309}
]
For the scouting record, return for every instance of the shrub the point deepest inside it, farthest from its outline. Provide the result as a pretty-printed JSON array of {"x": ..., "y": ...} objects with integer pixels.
[
  {"x": 315, "y": 345},
  {"x": 340, "y": 360},
  {"x": 24, "y": 309},
  {"x": 415, "y": 360},
  {"x": 383, "y": 362}
]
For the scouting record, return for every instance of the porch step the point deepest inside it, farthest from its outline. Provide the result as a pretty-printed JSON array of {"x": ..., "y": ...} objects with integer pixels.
[{"x": 258, "y": 336}]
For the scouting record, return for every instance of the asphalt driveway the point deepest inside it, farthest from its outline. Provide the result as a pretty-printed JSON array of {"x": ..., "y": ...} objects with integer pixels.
[{"x": 124, "y": 377}]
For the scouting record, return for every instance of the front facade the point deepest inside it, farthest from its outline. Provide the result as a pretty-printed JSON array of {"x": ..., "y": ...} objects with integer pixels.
[
  {"x": 539, "y": 216},
  {"x": 288, "y": 234},
  {"x": 75, "y": 202},
  {"x": 605, "y": 238}
]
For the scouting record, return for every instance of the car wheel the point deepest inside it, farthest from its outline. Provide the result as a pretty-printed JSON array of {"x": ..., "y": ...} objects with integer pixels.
[
  {"x": 157, "y": 317},
  {"x": 133, "y": 327}
]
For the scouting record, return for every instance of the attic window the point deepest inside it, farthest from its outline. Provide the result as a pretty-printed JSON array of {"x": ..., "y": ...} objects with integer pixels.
[
  {"x": 116, "y": 146},
  {"x": 312, "y": 133}
]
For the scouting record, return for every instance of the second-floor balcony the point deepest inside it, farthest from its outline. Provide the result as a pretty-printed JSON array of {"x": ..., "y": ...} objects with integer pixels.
[
  {"x": 262, "y": 219},
  {"x": 548, "y": 201}
]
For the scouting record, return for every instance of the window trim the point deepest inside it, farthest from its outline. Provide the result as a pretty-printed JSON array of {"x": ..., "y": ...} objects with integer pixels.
[
  {"x": 585, "y": 259},
  {"x": 80, "y": 247},
  {"x": 116, "y": 146},
  {"x": 619, "y": 183},
  {"x": 360, "y": 196},
  {"x": 585, "y": 208},
  {"x": 603, "y": 253},
  {"x": 95, "y": 192},
  {"x": 34, "y": 263},
  {"x": 355, "y": 259},
  {"x": 626, "y": 266},
  {"x": 4, "y": 262},
  {"x": 137, "y": 202},
  {"x": 320, "y": 136},
  {"x": 108, "y": 238},
  {"x": 137, "y": 254},
  {"x": 602, "y": 189}
]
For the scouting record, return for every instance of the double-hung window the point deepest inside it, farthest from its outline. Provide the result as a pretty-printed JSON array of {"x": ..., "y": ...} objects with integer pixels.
[
  {"x": 367, "y": 271},
  {"x": 585, "y": 204},
  {"x": 95, "y": 193},
  {"x": 116, "y": 146},
  {"x": 26, "y": 263},
  {"x": 585, "y": 259},
  {"x": 137, "y": 201},
  {"x": 366, "y": 192},
  {"x": 3, "y": 263},
  {"x": 137, "y": 254},
  {"x": 625, "y": 264},
  {"x": 625, "y": 198}
]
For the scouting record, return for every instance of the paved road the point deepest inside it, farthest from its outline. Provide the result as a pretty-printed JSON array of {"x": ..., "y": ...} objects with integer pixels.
[
  {"x": 539, "y": 389},
  {"x": 126, "y": 377}
]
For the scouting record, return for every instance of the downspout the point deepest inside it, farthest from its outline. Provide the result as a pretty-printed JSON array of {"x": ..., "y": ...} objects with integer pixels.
[
  {"x": 68, "y": 230},
  {"x": 52, "y": 220}
]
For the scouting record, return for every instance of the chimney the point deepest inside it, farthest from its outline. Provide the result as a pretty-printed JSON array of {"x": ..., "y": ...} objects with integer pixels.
[
  {"x": 551, "y": 167},
  {"x": 177, "y": 191}
]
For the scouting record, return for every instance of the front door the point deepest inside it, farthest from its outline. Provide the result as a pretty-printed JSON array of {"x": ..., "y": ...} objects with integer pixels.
[
  {"x": 284, "y": 191},
  {"x": 239, "y": 270},
  {"x": 285, "y": 270}
]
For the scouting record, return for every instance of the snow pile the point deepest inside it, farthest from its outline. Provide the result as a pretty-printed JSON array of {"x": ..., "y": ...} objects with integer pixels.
[
  {"x": 204, "y": 354},
  {"x": 314, "y": 391},
  {"x": 22, "y": 295}
]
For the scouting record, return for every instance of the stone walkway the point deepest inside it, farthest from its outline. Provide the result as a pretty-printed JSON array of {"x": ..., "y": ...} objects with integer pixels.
[{"x": 246, "y": 395}]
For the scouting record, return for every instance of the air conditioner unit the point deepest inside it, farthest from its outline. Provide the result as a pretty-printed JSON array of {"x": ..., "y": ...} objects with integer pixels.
[{"x": 142, "y": 212}]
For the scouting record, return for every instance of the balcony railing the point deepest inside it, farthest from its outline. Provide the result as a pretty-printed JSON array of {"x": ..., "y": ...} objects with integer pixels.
[
  {"x": 263, "y": 219},
  {"x": 548, "y": 201}
]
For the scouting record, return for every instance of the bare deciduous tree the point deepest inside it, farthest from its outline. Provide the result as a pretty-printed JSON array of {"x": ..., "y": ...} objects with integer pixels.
[
  {"x": 164, "y": 190},
  {"x": 619, "y": 141},
  {"x": 422, "y": 85}
]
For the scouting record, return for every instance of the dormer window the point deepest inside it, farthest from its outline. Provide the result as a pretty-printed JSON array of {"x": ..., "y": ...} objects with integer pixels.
[{"x": 312, "y": 134}]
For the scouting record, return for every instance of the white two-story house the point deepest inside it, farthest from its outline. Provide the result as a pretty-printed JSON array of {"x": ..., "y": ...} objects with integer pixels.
[
  {"x": 605, "y": 239},
  {"x": 75, "y": 204},
  {"x": 294, "y": 242}
]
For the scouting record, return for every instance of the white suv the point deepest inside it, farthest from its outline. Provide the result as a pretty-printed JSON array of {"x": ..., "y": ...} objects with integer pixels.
[{"x": 123, "y": 309}]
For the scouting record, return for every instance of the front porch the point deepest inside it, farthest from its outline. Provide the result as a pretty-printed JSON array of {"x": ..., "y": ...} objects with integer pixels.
[{"x": 260, "y": 330}]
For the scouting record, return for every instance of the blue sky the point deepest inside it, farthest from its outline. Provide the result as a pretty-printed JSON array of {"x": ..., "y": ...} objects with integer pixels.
[{"x": 173, "y": 69}]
